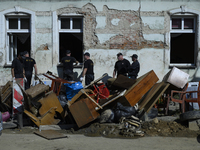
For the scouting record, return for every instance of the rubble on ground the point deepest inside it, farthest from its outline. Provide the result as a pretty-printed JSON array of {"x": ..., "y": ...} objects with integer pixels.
[{"x": 116, "y": 108}]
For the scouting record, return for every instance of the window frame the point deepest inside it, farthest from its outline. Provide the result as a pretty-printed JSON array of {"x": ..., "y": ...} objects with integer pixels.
[
  {"x": 10, "y": 31},
  {"x": 71, "y": 30},
  {"x": 182, "y": 30}
]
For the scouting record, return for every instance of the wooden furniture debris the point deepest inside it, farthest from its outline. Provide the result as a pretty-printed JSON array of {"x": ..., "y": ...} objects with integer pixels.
[
  {"x": 50, "y": 134},
  {"x": 36, "y": 90},
  {"x": 6, "y": 97},
  {"x": 84, "y": 111},
  {"x": 47, "y": 112},
  {"x": 56, "y": 83},
  {"x": 140, "y": 88},
  {"x": 148, "y": 101}
]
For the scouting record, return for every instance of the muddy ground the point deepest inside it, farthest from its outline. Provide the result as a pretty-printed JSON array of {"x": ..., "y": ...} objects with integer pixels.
[{"x": 155, "y": 127}]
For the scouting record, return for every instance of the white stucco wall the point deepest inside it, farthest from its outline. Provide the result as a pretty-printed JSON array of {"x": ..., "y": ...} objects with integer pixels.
[{"x": 104, "y": 59}]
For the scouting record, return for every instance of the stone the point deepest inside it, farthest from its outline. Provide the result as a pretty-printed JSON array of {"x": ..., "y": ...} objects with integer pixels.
[
  {"x": 193, "y": 125},
  {"x": 155, "y": 120}
]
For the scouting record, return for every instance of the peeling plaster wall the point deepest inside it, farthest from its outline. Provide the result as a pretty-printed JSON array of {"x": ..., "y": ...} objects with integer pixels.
[{"x": 127, "y": 26}]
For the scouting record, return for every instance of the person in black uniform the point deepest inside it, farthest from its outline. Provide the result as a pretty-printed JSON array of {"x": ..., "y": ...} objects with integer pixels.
[
  {"x": 121, "y": 66},
  {"x": 68, "y": 66},
  {"x": 88, "y": 69},
  {"x": 29, "y": 63},
  {"x": 134, "y": 68},
  {"x": 18, "y": 67}
]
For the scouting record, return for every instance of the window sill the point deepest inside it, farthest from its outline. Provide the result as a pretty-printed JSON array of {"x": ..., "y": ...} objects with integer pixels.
[
  {"x": 7, "y": 66},
  {"x": 77, "y": 66},
  {"x": 183, "y": 66}
]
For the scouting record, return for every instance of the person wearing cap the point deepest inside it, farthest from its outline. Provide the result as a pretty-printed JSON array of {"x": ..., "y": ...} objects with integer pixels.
[
  {"x": 29, "y": 63},
  {"x": 67, "y": 62},
  {"x": 121, "y": 66},
  {"x": 18, "y": 67},
  {"x": 134, "y": 68},
  {"x": 88, "y": 69}
]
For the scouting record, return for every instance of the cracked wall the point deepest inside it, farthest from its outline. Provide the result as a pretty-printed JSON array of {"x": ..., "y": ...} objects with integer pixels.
[{"x": 109, "y": 27}]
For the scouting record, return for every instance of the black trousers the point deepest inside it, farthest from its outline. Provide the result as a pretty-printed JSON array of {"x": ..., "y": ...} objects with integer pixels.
[
  {"x": 133, "y": 77},
  {"x": 89, "y": 78},
  {"x": 19, "y": 75},
  {"x": 68, "y": 75},
  {"x": 28, "y": 75}
]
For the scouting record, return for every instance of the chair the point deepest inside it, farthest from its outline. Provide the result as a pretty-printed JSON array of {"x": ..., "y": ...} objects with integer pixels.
[
  {"x": 188, "y": 96},
  {"x": 183, "y": 97}
]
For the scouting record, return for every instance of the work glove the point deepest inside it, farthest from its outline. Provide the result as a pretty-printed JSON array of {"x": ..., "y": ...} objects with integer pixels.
[
  {"x": 35, "y": 77},
  {"x": 14, "y": 79},
  {"x": 81, "y": 79},
  {"x": 25, "y": 79}
]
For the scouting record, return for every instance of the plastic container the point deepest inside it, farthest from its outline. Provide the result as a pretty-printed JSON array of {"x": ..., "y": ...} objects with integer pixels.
[{"x": 176, "y": 77}]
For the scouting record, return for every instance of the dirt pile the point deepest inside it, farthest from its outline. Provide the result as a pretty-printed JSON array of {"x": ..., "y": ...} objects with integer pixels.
[{"x": 167, "y": 128}]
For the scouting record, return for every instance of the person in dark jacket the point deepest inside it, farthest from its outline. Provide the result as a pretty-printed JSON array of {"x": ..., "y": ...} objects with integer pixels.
[
  {"x": 18, "y": 67},
  {"x": 134, "y": 68},
  {"x": 88, "y": 70},
  {"x": 67, "y": 62},
  {"x": 121, "y": 66},
  {"x": 29, "y": 64}
]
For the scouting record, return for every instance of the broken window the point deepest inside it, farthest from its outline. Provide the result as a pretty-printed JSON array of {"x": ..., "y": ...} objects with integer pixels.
[
  {"x": 182, "y": 40},
  {"x": 71, "y": 37},
  {"x": 18, "y": 36}
]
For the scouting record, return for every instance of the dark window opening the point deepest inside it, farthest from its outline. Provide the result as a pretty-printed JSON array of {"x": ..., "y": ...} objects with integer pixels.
[
  {"x": 65, "y": 23},
  {"x": 72, "y": 42},
  {"x": 182, "y": 48},
  {"x": 19, "y": 42},
  {"x": 25, "y": 23},
  {"x": 13, "y": 23},
  {"x": 176, "y": 23},
  {"x": 77, "y": 23}
]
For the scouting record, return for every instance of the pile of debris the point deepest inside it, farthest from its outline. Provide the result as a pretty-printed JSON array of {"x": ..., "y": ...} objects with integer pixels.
[{"x": 106, "y": 100}]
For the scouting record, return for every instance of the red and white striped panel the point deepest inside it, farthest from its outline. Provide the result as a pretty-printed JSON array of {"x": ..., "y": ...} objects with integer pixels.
[{"x": 18, "y": 95}]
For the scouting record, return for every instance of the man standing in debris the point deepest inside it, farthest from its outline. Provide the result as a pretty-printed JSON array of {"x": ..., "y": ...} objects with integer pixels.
[
  {"x": 29, "y": 63},
  {"x": 68, "y": 66},
  {"x": 18, "y": 68},
  {"x": 121, "y": 66},
  {"x": 88, "y": 69},
  {"x": 134, "y": 68}
]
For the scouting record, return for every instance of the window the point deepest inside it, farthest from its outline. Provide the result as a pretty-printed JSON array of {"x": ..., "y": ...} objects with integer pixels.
[
  {"x": 18, "y": 36},
  {"x": 71, "y": 37},
  {"x": 182, "y": 40}
]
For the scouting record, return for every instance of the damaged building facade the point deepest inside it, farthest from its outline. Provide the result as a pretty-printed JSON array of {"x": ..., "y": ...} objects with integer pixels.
[{"x": 163, "y": 33}]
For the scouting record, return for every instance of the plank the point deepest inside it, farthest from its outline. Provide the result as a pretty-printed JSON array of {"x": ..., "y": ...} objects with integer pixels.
[
  {"x": 141, "y": 87},
  {"x": 149, "y": 95},
  {"x": 156, "y": 96},
  {"x": 50, "y": 134}
]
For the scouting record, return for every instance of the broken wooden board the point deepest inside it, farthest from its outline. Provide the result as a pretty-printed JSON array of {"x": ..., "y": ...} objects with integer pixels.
[
  {"x": 79, "y": 94},
  {"x": 50, "y": 105},
  {"x": 57, "y": 127},
  {"x": 34, "y": 91},
  {"x": 83, "y": 111},
  {"x": 141, "y": 87},
  {"x": 149, "y": 95},
  {"x": 50, "y": 134},
  {"x": 152, "y": 97},
  {"x": 49, "y": 102}
]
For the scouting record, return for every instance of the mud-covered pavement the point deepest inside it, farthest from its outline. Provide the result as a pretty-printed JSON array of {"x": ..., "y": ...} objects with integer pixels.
[
  {"x": 155, "y": 127},
  {"x": 81, "y": 142}
]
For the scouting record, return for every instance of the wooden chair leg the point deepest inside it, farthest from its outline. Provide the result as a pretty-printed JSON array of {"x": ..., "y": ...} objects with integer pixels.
[
  {"x": 167, "y": 108},
  {"x": 183, "y": 106}
]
